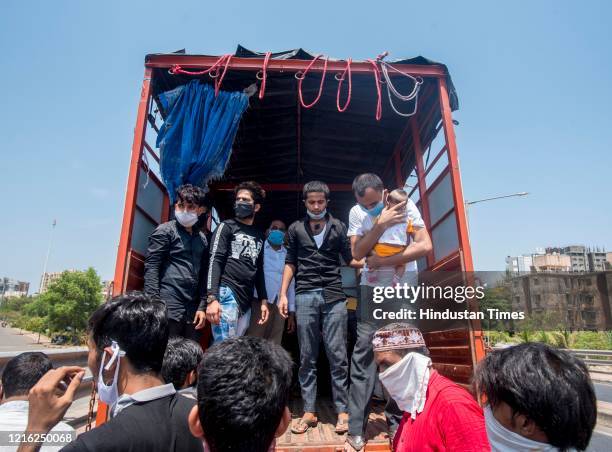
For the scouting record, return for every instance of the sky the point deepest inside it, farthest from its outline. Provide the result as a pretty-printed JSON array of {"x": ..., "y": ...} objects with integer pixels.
[{"x": 533, "y": 79}]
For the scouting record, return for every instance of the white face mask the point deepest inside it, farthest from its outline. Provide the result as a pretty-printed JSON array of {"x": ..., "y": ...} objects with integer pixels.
[
  {"x": 316, "y": 216},
  {"x": 406, "y": 381},
  {"x": 187, "y": 219},
  {"x": 109, "y": 393},
  {"x": 504, "y": 440}
]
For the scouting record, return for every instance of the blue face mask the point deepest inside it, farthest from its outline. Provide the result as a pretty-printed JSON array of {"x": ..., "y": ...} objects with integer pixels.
[
  {"x": 374, "y": 211},
  {"x": 276, "y": 237}
]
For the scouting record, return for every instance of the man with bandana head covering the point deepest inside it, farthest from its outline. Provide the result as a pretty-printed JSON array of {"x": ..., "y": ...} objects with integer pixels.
[{"x": 438, "y": 414}]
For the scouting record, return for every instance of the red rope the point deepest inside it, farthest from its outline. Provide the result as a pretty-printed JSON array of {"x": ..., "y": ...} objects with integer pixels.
[
  {"x": 219, "y": 80},
  {"x": 378, "y": 89},
  {"x": 350, "y": 87},
  {"x": 264, "y": 69},
  {"x": 301, "y": 79},
  {"x": 177, "y": 69}
]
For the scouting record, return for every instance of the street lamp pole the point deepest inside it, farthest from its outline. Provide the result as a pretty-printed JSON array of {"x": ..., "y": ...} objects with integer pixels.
[
  {"x": 470, "y": 203},
  {"x": 47, "y": 257}
]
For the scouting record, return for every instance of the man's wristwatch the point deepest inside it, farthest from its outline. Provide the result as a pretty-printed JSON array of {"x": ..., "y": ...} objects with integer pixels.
[{"x": 210, "y": 299}]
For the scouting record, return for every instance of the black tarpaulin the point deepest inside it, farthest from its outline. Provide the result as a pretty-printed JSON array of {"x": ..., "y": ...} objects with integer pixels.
[{"x": 280, "y": 142}]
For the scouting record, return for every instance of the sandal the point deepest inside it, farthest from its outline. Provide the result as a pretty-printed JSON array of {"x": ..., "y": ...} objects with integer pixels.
[
  {"x": 342, "y": 426},
  {"x": 302, "y": 426}
]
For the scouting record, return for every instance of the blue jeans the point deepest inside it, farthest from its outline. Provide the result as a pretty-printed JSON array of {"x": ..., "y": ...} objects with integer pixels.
[
  {"x": 315, "y": 319},
  {"x": 232, "y": 323}
]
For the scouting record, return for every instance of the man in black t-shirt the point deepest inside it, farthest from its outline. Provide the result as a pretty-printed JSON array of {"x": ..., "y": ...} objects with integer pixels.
[
  {"x": 236, "y": 267},
  {"x": 127, "y": 340}
]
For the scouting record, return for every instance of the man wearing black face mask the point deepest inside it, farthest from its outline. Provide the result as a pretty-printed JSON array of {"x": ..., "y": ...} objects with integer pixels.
[{"x": 236, "y": 267}]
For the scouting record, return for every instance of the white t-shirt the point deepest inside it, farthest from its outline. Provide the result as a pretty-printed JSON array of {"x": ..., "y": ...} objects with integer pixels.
[
  {"x": 393, "y": 235},
  {"x": 360, "y": 223},
  {"x": 396, "y": 234},
  {"x": 274, "y": 263},
  {"x": 319, "y": 237},
  {"x": 14, "y": 419}
]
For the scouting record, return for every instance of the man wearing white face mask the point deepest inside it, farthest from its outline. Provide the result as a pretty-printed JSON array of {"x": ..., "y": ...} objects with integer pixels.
[
  {"x": 438, "y": 414},
  {"x": 539, "y": 398},
  {"x": 175, "y": 265},
  {"x": 127, "y": 340},
  {"x": 315, "y": 245}
]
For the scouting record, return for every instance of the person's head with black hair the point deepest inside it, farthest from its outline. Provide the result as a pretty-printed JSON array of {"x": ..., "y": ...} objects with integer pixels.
[
  {"x": 535, "y": 392},
  {"x": 131, "y": 331},
  {"x": 21, "y": 373},
  {"x": 243, "y": 391},
  {"x": 248, "y": 199},
  {"x": 316, "y": 198},
  {"x": 191, "y": 204},
  {"x": 181, "y": 362},
  {"x": 369, "y": 191}
]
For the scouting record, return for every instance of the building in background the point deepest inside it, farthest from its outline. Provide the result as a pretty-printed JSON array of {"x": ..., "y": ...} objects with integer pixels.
[
  {"x": 107, "y": 290},
  {"x": 577, "y": 255},
  {"x": 48, "y": 278},
  {"x": 552, "y": 263},
  {"x": 597, "y": 260},
  {"x": 573, "y": 258},
  {"x": 583, "y": 259},
  {"x": 10, "y": 287},
  {"x": 519, "y": 264},
  {"x": 580, "y": 300}
]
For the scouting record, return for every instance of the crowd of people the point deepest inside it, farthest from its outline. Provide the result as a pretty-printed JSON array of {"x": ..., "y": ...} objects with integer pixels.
[{"x": 164, "y": 393}]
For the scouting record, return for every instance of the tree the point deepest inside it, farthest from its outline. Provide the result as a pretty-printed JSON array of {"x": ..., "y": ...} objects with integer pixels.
[
  {"x": 496, "y": 298},
  {"x": 69, "y": 301}
]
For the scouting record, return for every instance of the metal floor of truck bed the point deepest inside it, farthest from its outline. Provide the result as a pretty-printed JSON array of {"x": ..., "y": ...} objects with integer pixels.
[{"x": 323, "y": 438}]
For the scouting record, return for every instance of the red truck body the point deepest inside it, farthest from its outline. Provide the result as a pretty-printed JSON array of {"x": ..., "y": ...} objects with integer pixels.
[{"x": 316, "y": 143}]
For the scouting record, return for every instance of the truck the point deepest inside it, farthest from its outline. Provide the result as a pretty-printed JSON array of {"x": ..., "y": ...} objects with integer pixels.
[{"x": 317, "y": 118}]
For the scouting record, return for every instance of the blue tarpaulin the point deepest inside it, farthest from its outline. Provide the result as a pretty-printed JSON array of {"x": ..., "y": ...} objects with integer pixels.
[{"x": 196, "y": 138}]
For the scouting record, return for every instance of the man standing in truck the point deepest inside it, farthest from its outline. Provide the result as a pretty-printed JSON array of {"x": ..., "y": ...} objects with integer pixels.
[
  {"x": 314, "y": 247},
  {"x": 369, "y": 192},
  {"x": 274, "y": 263},
  {"x": 175, "y": 265},
  {"x": 236, "y": 267}
]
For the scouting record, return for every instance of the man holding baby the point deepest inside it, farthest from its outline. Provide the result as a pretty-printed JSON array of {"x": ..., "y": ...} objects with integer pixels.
[{"x": 385, "y": 229}]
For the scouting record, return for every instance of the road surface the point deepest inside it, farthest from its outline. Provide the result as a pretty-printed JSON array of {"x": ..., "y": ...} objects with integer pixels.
[
  {"x": 12, "y": 341},
  {"x": 603, "y": 392},
  {"x": 601, "y": 441}
]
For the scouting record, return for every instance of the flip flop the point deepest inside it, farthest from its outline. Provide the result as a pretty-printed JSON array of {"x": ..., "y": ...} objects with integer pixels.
[{"x": 302, "y": 426}]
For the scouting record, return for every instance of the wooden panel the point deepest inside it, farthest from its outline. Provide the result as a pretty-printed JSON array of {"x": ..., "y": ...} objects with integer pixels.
[
  {"x": 135, "y": 272},
  {"x": 323, "y": 438},
  {"x": 447, "y": 338},
  {"x": 457, "y": 372}
]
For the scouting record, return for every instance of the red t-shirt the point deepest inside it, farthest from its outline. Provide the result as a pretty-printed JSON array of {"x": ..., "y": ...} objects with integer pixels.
[{"x": 450, "y": 421}]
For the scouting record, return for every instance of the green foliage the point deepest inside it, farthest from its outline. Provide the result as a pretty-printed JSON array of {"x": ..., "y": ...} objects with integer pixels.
[
  {"x": 14, "y": 304},
  {"x": 36, "y": 324},
  {"x": 70, "y": 300},
  {"x": 495, "y": 337},
  {"x": 546, "y": 321},
  {"x": 496, "y": 298},
  {"x": 65, "y": 306},
  {"x": 592, "y": 340}
]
